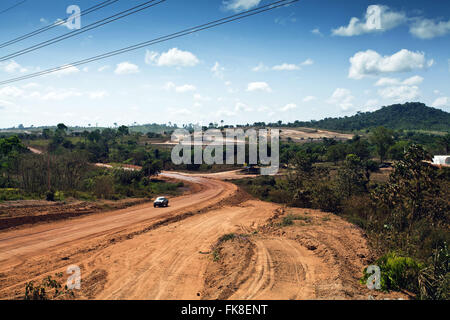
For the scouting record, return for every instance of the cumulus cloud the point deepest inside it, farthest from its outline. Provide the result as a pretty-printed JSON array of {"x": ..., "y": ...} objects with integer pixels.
[
  {"x": 240, "y": 5},
  {"x": 400, "y": 93},
  {"x": 259, "y": 86},
  {"x": 369, "y": 63},
  {"x": 412, "y": 81},
  {"x": 378, "y": 18},
  {"x": 12, "y": 67},
  {"x": 428, "y": 28},
  {"x": 11, "y": 92},
  {"x": 172, "y": 58},
  {"x": 343, "y": 98},
  {"x": 126, "y": 68},
  {"x": 441, "y": 102}
]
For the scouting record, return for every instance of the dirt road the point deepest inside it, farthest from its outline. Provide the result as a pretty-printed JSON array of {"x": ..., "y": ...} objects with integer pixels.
[{"x": 147, "y": 253}]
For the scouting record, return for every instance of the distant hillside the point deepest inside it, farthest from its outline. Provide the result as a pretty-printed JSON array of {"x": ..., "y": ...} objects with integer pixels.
[{"x": 408, "y": 116}]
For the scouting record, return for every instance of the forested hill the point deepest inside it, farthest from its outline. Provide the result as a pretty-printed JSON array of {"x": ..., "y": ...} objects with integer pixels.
[{"x": 408, "y": 116}]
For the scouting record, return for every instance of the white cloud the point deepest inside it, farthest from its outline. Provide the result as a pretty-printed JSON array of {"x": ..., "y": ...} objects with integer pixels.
[
  {"x": 12, "y": 67},
  {"x": 126, "y": 68},
  {"x": 284, "y": 20},
  {"x": 185, "y": 88},
  {"x": 260, "y": 67},
  {"x": 367, "y": 63},
  {"x": 343, "y": 98},
  {"x": 309, "y": 98},
  {"x": 388, "y": 19},
  {"x": 289, "y": 106},
  {"x": 43, "y": 20},
  {"x": 441, "y": 102},
  {"x": 240, "y": 5},
  {"x": 30, "y": 85},
  {"x": 412, "y": 81},
  {"x": 172, "y": 58},
  {"x": 371, "y": 103},
  {"x": 307, "y": 62},
  {"x": 199, "y": 97},
  {"x": 428, "y": 28},
  {"x": 401, "y": 93},
  {"x": 180, "y": 89},
  {"x": 68, "y": 70},
  {"x": 317, "y": 32},
  {"x": 151, "y": 56},
  {"x": 286, "y": 67},
  {"x": 259, "y": 86},
  {"x": 11, "y": 92},
  {"x": 103, "y": 68},
  {"x": 61, "y": 94},
  {"x": 218, "y": 70}
]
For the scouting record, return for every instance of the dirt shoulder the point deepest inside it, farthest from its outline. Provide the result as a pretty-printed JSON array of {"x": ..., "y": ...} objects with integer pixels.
[{"x": 319, "y": 256}]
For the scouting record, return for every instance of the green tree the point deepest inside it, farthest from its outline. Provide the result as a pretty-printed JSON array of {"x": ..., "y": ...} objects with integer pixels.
[
  {"x": 413, "y": 191},
  {"x": 123, "y": 131},
  {"x": 152, "y": 167},
  {"x": 352, "y": 179},
  {"x": 382, "y": 138}
]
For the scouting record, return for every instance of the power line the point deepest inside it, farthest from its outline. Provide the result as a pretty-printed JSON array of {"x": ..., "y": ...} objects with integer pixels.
[
  {"x": 182, "y": 33},
  {"x": 58, "y": 23},
  {"x": 13, "y": 6},
  {"x": 91, "y": 26}
]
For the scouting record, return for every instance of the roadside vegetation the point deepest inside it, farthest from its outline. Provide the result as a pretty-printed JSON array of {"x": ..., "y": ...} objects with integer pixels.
[
  {"x": 66, "y": 169},
  {"x": 405, "y": 215}
]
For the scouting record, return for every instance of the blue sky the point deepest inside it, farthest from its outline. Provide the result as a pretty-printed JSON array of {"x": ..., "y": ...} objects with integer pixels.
[{"x": 309, "y": 60}]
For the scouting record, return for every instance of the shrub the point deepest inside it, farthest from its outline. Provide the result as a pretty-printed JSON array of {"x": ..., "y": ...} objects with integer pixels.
[
  {"x": 397, "y": 273},
  {"x": 8, "y": 194}
]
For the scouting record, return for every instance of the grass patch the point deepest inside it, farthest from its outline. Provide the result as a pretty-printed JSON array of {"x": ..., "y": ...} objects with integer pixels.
[{"x": 290, "y": 218}]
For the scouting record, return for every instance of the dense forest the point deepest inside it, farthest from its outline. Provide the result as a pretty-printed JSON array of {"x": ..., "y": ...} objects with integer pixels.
[{"x": 408, "y": 116}]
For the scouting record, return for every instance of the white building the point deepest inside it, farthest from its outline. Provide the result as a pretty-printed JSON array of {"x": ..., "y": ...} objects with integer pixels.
[{"x": 441, "y": 160}]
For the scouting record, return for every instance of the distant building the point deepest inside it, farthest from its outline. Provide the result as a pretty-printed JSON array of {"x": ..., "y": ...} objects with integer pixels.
[{"x": 441, "y": 160}]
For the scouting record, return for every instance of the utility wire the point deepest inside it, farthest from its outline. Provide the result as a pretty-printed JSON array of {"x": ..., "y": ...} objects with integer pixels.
[
  {"x": 185, "y": 32},
  {"x": 58, "y": 23},
  {"x": 13, "y": 6},
  {"x": 91, "y": 26}
]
